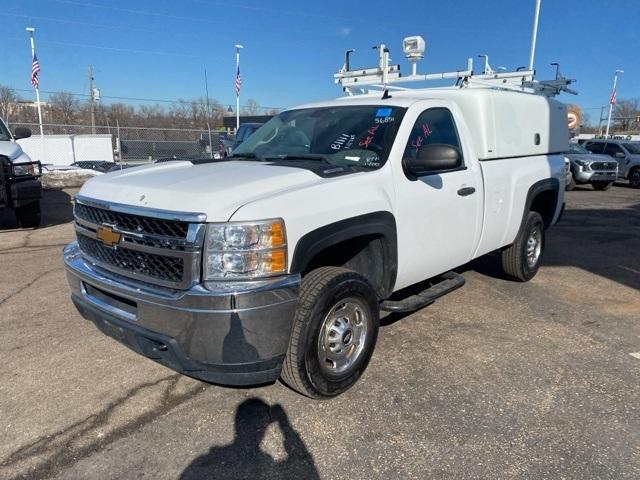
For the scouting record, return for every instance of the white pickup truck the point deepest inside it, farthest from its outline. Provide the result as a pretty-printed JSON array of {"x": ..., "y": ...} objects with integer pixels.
[{"x": 276, "y": 261}]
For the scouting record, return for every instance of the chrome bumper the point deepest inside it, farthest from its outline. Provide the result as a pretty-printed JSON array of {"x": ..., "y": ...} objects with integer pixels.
[
  {"x": 229, "y": 333},
  {"x": 582, "y": 176}
]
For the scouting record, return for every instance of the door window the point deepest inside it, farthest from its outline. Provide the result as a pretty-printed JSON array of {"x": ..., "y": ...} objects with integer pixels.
[
  {"x": 595, "y": 147},
  {"x": 612, "y": 149},
  {"x": 433, "y": 126}
]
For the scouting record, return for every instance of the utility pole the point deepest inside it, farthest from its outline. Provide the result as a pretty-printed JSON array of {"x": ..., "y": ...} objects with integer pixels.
[
  {"x": 206, "y": 89},
  {"x": 92, "y": 99},
  {"x": 612, "y": 99}
]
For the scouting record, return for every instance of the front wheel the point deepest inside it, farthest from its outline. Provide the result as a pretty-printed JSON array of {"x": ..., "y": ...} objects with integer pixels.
[
  {"x": 521, "y": 260},
  {"x": 334, "y": 333},
  {"x": 601, "y": 185},
  {"x": 572, "y": 183},
  {"x": 634, "y": 178}
]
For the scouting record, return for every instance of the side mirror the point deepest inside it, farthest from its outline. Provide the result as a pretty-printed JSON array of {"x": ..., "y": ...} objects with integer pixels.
[
  {"x": 433, "y": 158},
  {"x": 619, "y": 155},
  {"x": 21, "y": 132}
]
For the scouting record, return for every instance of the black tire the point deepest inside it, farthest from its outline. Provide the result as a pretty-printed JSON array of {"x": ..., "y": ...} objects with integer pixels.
[
  {"x": 321, "y": 292},
  {"x": 515, "y": 264},
  {"x": 571, "y": 185},
  {"x": 634, "y": 178},
  {"x": 601, "y": 185},
  {"x": 28, "y": 215}
]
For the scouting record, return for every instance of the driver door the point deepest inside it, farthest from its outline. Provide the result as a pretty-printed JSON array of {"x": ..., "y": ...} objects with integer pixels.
[{"x": 438, "y": 215}]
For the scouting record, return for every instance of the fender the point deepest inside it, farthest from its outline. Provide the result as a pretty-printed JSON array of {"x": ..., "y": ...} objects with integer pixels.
[
  {"x": 381, "y": 223},
  {"x": 548, "y": 184}
]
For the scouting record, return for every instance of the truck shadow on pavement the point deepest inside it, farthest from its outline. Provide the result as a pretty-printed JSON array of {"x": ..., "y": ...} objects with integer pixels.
[
  {"x": 244, "y": 459},
  {"x": 56, "y": 207},
  {"x": 601, "y": 241}
]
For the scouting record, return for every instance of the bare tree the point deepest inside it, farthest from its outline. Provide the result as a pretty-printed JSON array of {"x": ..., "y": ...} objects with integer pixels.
[
  {"x": 8, "y": 98},
  {"x": 251, "y": 107},
  {"x": 626, "y": 112},
  {"x": 64, "y": 107}
]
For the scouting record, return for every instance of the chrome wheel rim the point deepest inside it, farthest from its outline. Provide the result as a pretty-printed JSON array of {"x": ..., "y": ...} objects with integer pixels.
[
  {"x": 534, "y": 247},
  {"x": 343, "y": 336},
  {"x": 635, "y": 178}
]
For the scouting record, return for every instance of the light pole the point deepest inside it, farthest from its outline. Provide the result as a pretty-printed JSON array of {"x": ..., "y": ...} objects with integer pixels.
[
  {"x": 612, "y": 100},
  {"x": 238, "y": 85}
]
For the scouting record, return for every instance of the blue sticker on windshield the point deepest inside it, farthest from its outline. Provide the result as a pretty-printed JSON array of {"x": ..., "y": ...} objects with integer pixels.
[{"x": 384, "y": 112}]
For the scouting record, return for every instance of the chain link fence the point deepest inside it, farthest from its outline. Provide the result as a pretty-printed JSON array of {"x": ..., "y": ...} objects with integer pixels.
[{"x": 72, "y": 144}]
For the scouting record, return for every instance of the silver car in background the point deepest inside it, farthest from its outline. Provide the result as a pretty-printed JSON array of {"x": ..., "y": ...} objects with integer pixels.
[
  {"x": 598, "y": 170},
  {"x": 626, "y": 153}
]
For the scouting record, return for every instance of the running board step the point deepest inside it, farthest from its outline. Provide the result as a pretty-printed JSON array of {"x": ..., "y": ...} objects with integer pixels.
[{"x": 450, "y": 281}]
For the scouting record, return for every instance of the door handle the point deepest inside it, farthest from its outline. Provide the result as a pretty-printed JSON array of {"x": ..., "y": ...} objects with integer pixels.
[{"x": 464, "y": 191}]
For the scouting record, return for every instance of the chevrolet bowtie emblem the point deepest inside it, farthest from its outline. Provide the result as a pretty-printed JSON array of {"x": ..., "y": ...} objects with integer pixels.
[{"x": 107, "y": 236}]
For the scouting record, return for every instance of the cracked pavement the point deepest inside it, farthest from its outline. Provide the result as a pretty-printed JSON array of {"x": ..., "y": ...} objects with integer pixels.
[{"x": 495, "y": 380}]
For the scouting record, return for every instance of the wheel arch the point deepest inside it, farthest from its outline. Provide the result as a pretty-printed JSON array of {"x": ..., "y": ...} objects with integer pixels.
[
  {"x": 366, "y": 244},
  {"x": 542, "y": 197}
]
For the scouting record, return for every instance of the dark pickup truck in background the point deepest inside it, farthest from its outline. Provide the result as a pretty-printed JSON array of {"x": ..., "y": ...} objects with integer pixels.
[{"x": 21, "y": 190}]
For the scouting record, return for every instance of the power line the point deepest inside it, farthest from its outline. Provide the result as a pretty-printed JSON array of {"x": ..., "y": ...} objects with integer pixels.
[
  {"x": 205, "y": 21},
  {"x": 100, "y": 47},
  {"x": 90, "y": 24},
  {"x": 138, "y": 99},
  {"x": 298, "y": 13}
]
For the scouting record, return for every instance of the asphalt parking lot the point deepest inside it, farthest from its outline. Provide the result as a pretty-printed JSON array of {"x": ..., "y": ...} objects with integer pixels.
[{"x": 496, "y": 380}]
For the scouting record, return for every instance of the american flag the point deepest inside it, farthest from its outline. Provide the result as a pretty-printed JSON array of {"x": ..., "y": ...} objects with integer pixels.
[
  {"x": 35, "y": 69},
  {"x": 613, "y": 98},
  {"x": 238, "y": 82}
]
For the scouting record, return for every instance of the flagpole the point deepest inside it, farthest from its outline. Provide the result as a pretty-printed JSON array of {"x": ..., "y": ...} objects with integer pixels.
[
  {"x": 238, "y": 47},
  {"x": 611, "y": 100},
  {"x": 33, "y": 54}
]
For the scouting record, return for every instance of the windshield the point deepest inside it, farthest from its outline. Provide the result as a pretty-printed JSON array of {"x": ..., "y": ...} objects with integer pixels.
[
  {"x": 4, "y": 132},
  {"x": 358, "y": 136},
  {"x": 633, "y": 148},
  {"x": 575, "y": 148}
]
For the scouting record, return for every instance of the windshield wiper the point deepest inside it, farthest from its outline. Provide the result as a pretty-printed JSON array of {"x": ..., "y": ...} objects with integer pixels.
[
  {"x": 247, "y": 156},
  {"x": 317, "y": 157}
]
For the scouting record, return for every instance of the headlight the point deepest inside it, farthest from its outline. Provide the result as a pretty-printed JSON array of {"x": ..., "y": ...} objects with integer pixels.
[
  {"x": 23, "y": 170},
  {"x": 583, "y": 164},
  {"x": 245, "y": 250}
]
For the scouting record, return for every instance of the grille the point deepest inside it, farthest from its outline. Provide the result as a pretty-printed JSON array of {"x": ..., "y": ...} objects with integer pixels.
[
  {"x": 133, "y": 223},
  {"x": 161, "y": 267},
  {"x": 603, "y": 166}
]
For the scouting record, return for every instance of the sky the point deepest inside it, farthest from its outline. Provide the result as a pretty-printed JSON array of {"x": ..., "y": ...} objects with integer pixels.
[{"x": 159, "y": 49}]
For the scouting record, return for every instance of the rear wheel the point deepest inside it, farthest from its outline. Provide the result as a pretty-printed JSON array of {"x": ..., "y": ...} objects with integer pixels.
[
  {"x": 601, "y": 185},
  {"x": 634, "y": 178},
  {"x": 28, "y": 215},
  {"x": 521, "y": 260},
  {"x": 572, "y": 183},
  {"x": 334, "y": 333}
]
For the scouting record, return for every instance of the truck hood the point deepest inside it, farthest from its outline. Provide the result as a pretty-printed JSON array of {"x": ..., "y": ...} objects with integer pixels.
[
  {"x": 215, "y": 189},
  {"x": 11, "y": 149},
  {"x": 590, "y": 157}
]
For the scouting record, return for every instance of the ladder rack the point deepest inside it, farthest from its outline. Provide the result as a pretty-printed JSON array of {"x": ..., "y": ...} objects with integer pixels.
[{"x": 384, "y": 76}]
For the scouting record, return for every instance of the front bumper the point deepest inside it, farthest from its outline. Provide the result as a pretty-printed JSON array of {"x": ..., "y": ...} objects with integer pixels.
[
  {"x": 582, "y": 176},
  {"x": 24, "y": 192},
  {"x": 230, "y": 334}
]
